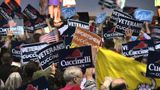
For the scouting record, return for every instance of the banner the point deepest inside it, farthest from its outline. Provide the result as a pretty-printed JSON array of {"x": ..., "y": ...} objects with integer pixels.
[
  {"x": 38, "y": 84},
  {"x": 76, "y": 23},
  {"x": 153, "y": 65},
  {"x": 138, "y": 48},
  {"x": 101, "y": 18},
  {"x": 68, "y": 12},
  {"x": 109, "y": 31},
  {"x": 123, "y": 23},
  {"x": 112, "y": 64},
  {"x": 81, "y": 57},
  {"x": 49, "y": 54},
  {"x": 143, "y": 15},
  {"x": 83, "y": 37},
  {"x": 28, "y": 51},
  {"x": 116, "y": 13}
]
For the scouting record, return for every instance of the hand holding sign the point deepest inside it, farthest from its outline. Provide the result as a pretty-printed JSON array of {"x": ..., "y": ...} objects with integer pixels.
[{"x": 9, "y": 33}]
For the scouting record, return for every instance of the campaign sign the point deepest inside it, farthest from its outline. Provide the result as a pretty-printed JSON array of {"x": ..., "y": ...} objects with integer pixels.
[
  {"x": 153, "y": 65},
  {"x": 38, "y": 84},
  {"x": 5, "y": 12},
  {"x": 83, "y": 37},
  {"x": 14, "y": 5},
  {"x": 81, "y": 57},
  {"x": 49, "y": 54},
  {"x": 123, "y": 23},
  {"x": 143, "y": 15},
  {"x": 101, "y": 18},
  {"x": 68, "y": 12},
  {"x": 138, "y": 48},
  {"x": 107, "y": 3},
  {"x": 157, "y": 46},
  {"x": 67, "y": 36},
  {"x": 39, "y": 23},
  {"x": 17, "y": 30},
  {"x": 28, "y": 51},
  {"x": 28, "y": 25},
  {"x": 156, "y": 33},
  {"x": 116, "y": 13},
  {"x": 15, "y": 50},
  {"x": 109, "y": 31},
  {"x": 31, "y": 12},
  {"x": 76, "y": 23}
]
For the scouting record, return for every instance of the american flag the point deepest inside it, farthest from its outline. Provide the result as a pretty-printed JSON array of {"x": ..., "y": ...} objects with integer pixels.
[{"x": 50, "y": 37}]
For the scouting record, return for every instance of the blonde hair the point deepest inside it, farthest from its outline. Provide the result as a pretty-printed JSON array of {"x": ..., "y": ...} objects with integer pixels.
[{"x": 71, "y": 72}]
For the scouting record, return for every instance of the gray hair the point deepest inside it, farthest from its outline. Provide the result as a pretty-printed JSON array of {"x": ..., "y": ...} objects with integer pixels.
[{"x": 71, "y": 72}]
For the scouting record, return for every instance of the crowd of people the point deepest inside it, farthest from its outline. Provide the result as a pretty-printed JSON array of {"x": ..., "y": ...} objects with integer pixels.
[{"x": 14, "y": 74}]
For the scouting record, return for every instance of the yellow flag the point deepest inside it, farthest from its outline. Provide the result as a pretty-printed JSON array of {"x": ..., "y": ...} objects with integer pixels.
[{"x": 112, "y": 64}]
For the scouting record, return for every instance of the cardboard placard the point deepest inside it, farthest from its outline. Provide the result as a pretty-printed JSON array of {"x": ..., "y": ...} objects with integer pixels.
[
  {"x": 123, "y": 23},
  {"x": 138, "y": 48},
  {"x": 28, "y": 51},
  {"x": 153, "y": 65},
  {"x": 68, "y": 12},
  {"x": 76, "y": 23},
  {"x": 49, "y": 54},
  {"x": 143, "y": 15},
  {"x": 83, "y": 37},
  {"x": 38, "y": 84},
  {"x": 81, "y": 57}
]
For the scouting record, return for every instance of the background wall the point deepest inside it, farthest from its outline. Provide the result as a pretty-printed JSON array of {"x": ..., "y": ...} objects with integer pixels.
[{"x": 92, "y": 6}]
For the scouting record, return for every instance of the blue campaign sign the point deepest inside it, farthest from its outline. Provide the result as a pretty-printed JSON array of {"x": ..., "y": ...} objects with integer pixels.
[
  {"x": 38, "y": 84},
  {"x": 81, "y": 57},
  {"x": 101, "y": 18},
  {"x": 68, "y": 12},
  {"x": 153, "y": 65},
  {"x": 143, "y": 15}
]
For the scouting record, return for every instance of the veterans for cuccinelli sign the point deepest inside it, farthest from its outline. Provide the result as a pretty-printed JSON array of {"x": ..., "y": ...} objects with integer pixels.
[{"x": 49, "y": 54}]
